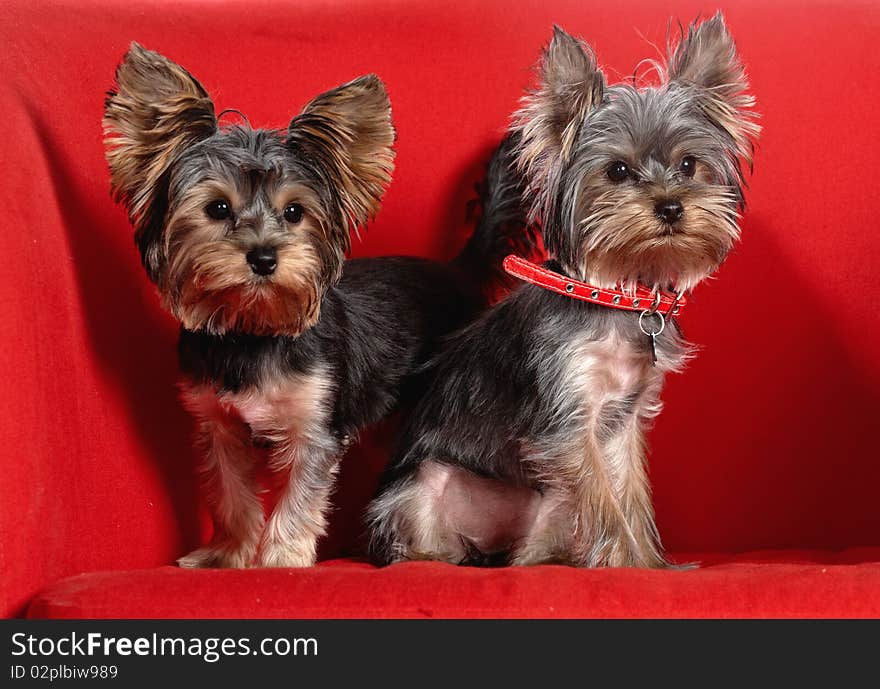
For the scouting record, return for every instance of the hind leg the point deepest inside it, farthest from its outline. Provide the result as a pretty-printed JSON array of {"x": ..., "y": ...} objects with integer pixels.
[
  {"x": 443, "y": 512},
  {"x": 406, "y": 522}
]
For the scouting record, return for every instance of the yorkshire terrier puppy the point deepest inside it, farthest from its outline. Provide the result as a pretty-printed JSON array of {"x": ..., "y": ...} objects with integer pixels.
[
  {"x": 287, "y": 350},
  {"x": 529, "y": 445}
]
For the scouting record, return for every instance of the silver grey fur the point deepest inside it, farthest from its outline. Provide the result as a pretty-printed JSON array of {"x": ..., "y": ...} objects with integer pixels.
[{"x": 553, "y": 395}]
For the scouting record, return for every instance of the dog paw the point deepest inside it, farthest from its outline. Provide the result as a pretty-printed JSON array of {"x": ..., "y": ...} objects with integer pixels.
[
  {"x": 277, "y": 555},
  {"x": 217, "y": 556}
]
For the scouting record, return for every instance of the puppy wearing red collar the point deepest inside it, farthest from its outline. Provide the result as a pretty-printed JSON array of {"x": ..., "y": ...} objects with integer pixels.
[{"x": 529, "y": 446}]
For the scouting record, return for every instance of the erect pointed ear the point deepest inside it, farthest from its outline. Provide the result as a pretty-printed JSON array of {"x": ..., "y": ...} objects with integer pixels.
[
  {"x": 348, "y": 134},
  {"x": 706, "y": 59},
  {"x": 570, "y": 86},
  {"x": 155, "y": 112}
]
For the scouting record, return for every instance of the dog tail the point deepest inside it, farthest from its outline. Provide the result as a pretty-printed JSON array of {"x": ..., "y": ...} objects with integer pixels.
[{"x": 502, "y": 225}]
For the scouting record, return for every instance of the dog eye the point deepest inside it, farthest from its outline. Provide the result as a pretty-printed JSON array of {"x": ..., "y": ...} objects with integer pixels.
[
  {"x": 218, "y": 210},
  {"x": 688, "y": 166},
  {"x": 293, "y": 213},
  {"x": 618, "y": 171}
]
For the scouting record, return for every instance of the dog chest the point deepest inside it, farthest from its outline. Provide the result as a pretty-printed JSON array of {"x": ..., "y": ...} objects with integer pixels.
[
  {"x": 597, "y": 369},
  {"x": 294, "y": 407}
]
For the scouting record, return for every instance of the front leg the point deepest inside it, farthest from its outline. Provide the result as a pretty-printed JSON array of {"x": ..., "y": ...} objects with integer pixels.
[
  {"x": 612, "y": 502},
  {"x": 299, "y": 518},
  {"x": 625, "y": 453},
  {"x": 596, "y": 510},
  {"x": 228, "y": 472}
]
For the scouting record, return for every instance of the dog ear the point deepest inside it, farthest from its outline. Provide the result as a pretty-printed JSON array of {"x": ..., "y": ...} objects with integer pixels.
[
  {"x": 706, "y": 59},
  {"x": 570, "y": 85},
  {"x": 348, "y": 135},
  {"x": 155, "y": 112}
]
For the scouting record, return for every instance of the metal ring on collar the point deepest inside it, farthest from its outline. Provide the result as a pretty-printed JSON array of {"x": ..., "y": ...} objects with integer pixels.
[{"x": 651, "y": 313}]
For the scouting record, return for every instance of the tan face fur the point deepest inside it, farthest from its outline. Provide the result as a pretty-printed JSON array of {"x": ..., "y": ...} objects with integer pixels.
[{"x": 297, "y": 194}]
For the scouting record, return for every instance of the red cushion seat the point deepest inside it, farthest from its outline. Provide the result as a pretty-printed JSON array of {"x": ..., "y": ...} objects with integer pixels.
[{"x": 760, "y": 584}]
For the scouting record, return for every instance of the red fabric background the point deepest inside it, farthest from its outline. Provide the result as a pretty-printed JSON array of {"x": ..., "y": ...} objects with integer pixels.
[{"x": 766, "y": 441}]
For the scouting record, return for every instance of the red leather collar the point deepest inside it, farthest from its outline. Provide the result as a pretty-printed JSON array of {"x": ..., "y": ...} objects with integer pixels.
[{"x": 644, "y": 299}]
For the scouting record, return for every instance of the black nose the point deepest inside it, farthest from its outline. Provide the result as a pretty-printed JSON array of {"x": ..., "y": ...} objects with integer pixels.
[
  {"x": 669, "y": 211},
  {"x": 262, "y": 260}
]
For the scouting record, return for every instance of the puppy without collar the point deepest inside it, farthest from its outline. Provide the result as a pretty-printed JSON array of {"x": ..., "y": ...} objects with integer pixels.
[{"x": 285, "y": 347}]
